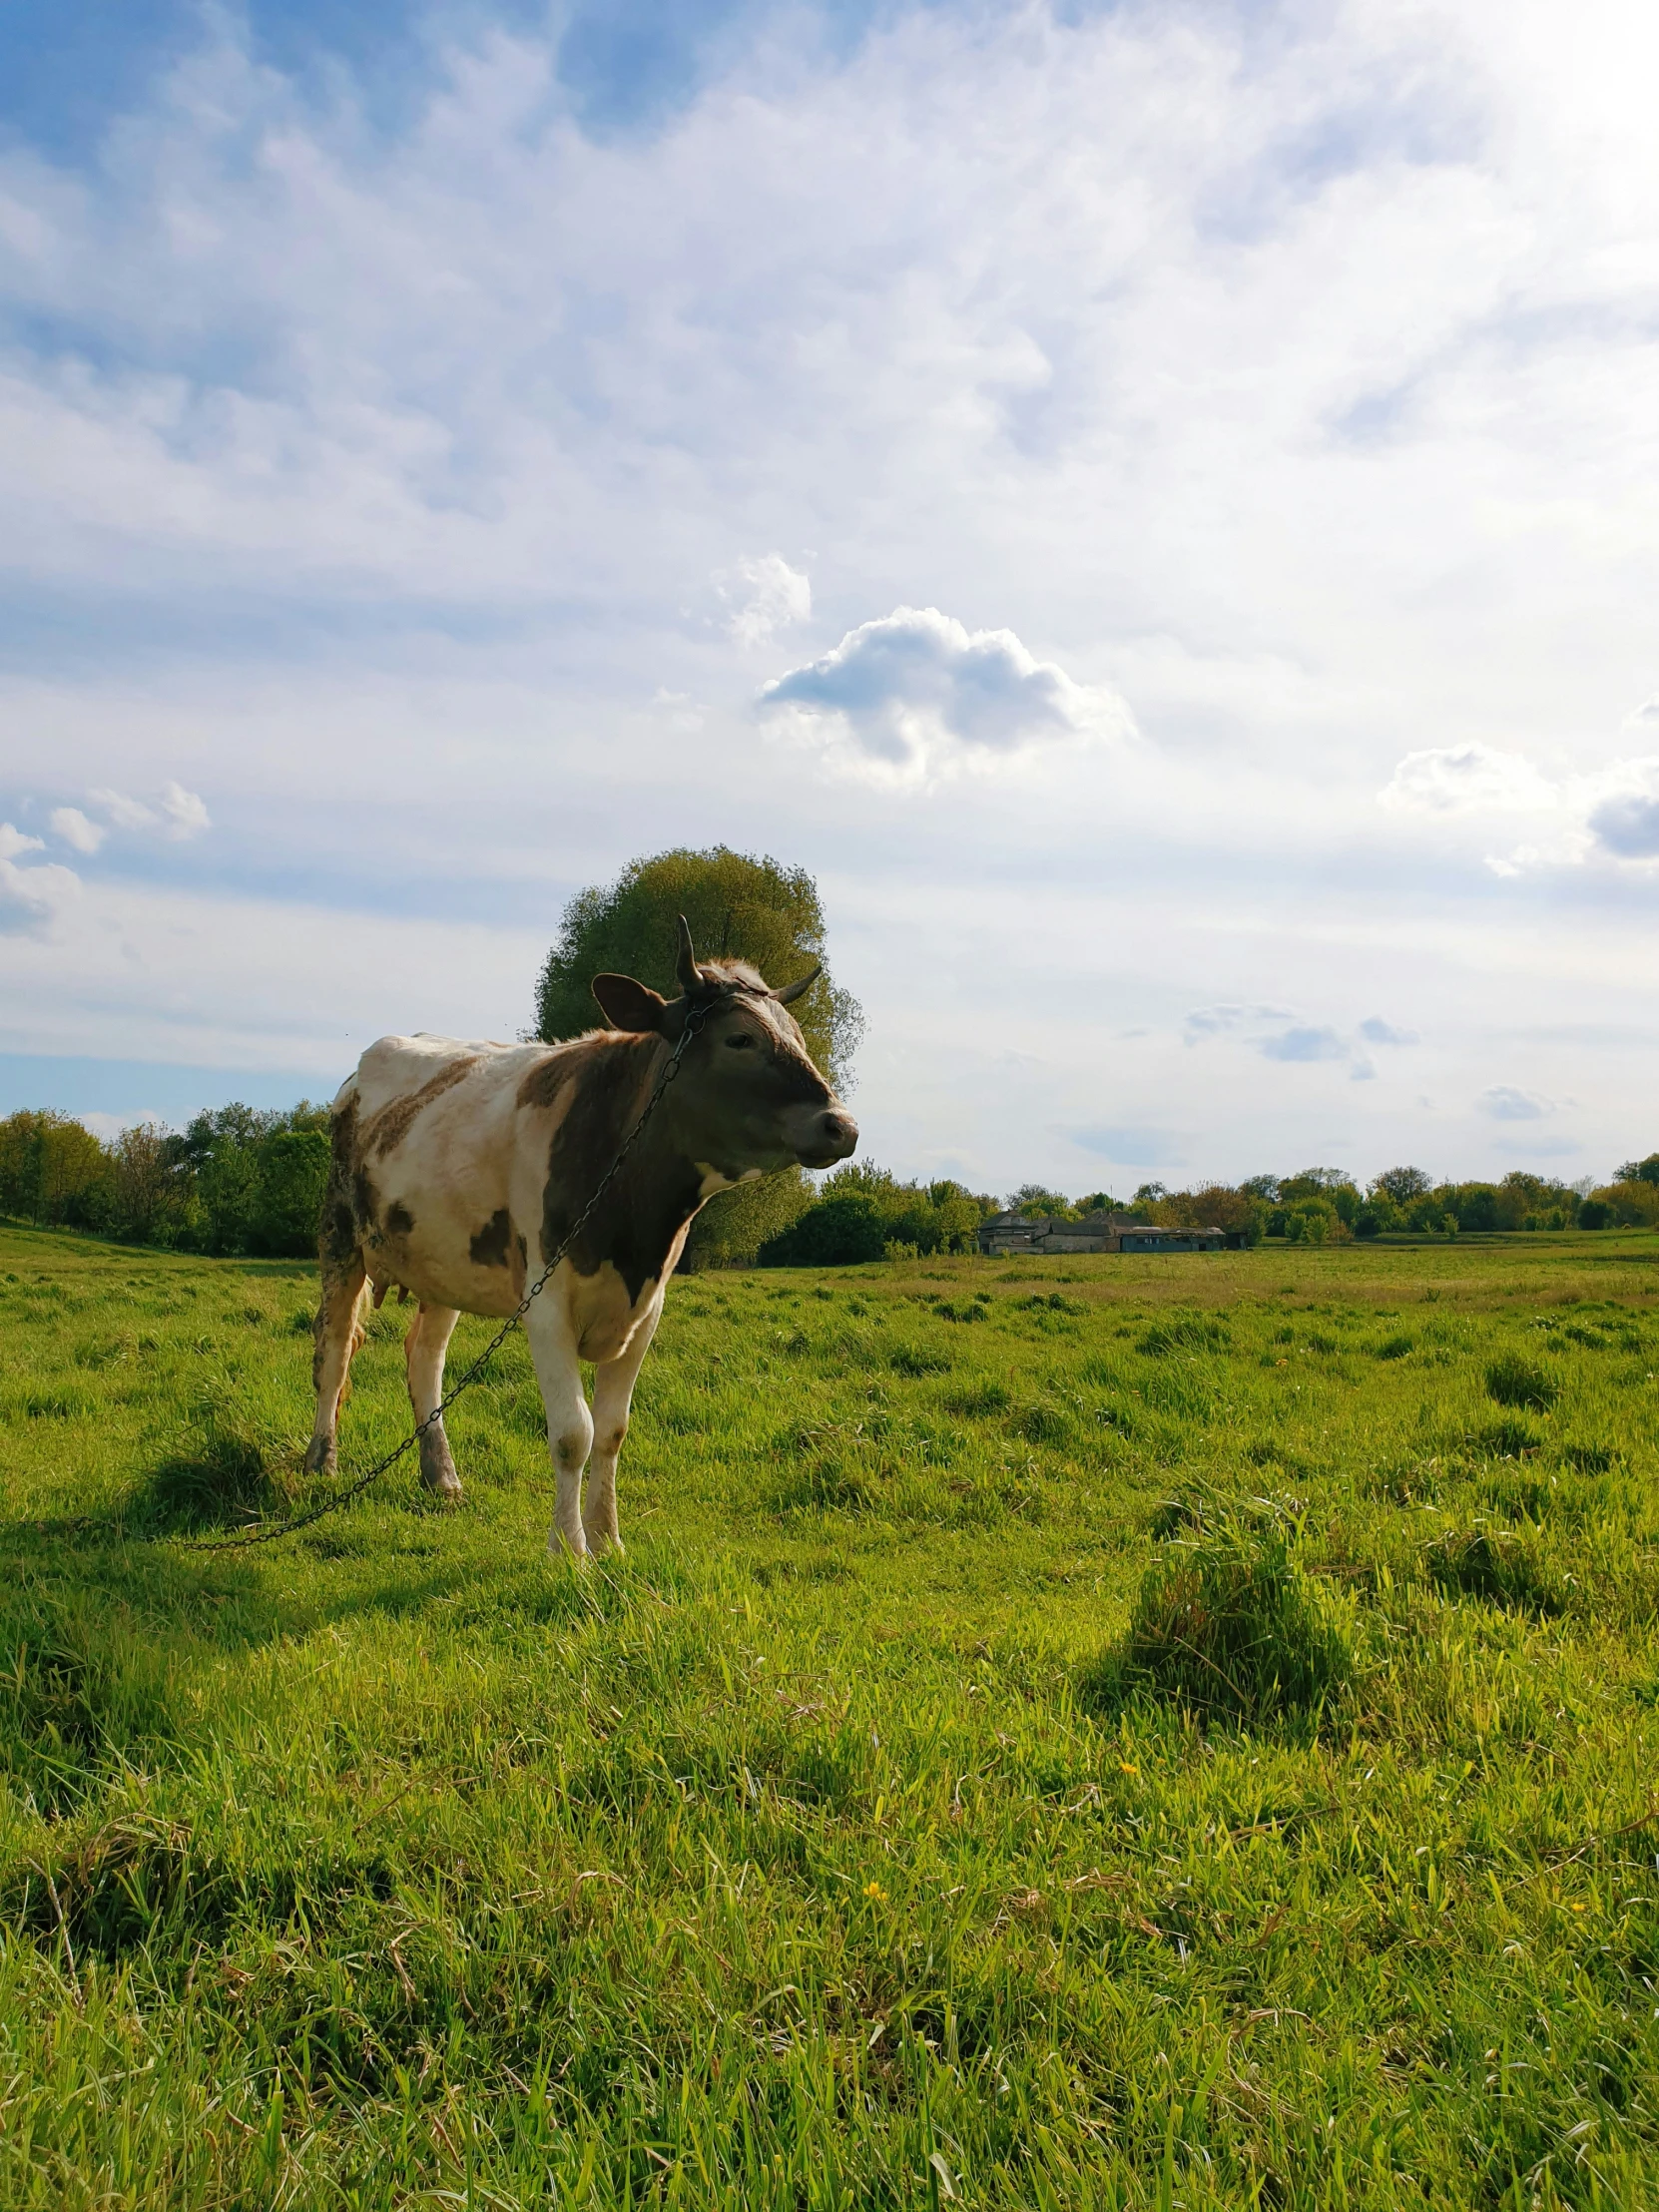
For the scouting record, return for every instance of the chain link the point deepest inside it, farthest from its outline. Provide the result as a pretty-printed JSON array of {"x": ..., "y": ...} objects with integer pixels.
[{"x": 247, "y": 1539}]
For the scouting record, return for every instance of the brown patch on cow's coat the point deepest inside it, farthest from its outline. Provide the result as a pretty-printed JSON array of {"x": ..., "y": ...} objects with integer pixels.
[
  {"x": 365, "y": 1207},
  {"x": 399, "y": 1220},
  {"x": 490, "y": 1247},
  {"x": 541, "y": 1085},
  {"x": 635, "y": 1224},
  {"x": 392, "y": 1123}
]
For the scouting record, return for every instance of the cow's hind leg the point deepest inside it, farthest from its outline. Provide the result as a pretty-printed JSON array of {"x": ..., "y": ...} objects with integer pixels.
[
  {"x": 613, "y": 1392},
  {"x": 338, "y": 1333},
  {"x": 423, "y": 1351},
  {"x": 569, "y": 1424}
]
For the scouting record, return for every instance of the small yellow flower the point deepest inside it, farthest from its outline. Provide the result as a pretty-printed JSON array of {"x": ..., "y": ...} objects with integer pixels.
[
  {"x": 1124, "y": 1767},
  {"x": 874, "y": 1889}
]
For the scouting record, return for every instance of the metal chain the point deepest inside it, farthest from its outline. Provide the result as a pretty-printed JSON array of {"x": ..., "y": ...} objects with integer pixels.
[{"x": 695, "y": 1018}]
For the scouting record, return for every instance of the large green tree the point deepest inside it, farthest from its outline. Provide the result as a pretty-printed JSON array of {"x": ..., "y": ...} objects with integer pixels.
[{"x": 739, "y": 909}]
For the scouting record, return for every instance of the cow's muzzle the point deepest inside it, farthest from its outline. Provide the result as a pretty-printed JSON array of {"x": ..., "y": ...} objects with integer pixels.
[{"x": 832, "y": 1136}]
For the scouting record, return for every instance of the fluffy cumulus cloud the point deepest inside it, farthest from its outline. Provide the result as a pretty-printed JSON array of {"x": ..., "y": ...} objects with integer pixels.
[
  {"x": 1468, "y": 779},
  {"x": 769, "y": 596},
  {"x": 1625, "y": 822},
  {"x": 74, "y": 829},
  {"x": 917, "y": 694},
  {"x": 1609, "y": 812},
  {"x": 31, "y": 895}
]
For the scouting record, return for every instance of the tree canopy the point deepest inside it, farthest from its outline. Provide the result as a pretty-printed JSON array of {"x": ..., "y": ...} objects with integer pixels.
[{"x": 739, "y": 909}]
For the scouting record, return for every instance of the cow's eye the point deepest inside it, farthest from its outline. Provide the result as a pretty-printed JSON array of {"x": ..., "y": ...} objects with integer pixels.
[{"x": 739, "y": 1043}]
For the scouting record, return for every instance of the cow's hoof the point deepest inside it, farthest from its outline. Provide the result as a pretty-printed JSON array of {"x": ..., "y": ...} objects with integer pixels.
[
  {"x": 603, "y": 1546},
  {"x": 319, "y": 1456},
  {"x": 437, "y": 1467},
  {"x": 559, "y": 1546}
]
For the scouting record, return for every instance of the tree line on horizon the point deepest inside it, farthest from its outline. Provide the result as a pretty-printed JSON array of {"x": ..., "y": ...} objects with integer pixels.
[{"x": 239, "y": 1181}]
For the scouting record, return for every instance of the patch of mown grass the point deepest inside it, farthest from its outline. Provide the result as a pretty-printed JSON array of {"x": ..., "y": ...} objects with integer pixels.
[{"x": 813, "y": 1842}]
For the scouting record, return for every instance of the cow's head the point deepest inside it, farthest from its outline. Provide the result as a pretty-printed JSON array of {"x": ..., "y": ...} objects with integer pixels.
[{"x": 748, "y": 1097}]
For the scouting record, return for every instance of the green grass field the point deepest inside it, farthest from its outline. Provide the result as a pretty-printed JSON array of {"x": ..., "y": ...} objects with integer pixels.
[{"x": 1145, "y": 1732}]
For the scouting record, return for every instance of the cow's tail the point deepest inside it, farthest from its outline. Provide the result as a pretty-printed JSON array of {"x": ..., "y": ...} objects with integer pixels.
[{"x": 344, "y": 1289}]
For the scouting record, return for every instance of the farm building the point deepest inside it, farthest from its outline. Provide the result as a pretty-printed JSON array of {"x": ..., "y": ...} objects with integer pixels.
[{"x": 1006, "y": 1235}]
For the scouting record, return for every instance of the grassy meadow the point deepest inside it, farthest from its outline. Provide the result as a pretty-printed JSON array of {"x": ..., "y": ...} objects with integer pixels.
[{"x": 1113, "y": 1732}]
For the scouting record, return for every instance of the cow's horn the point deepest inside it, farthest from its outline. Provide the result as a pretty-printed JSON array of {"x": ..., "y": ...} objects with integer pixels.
[
  {"x": 791, "y": 991},
  {"x": 685, "y": 963}
]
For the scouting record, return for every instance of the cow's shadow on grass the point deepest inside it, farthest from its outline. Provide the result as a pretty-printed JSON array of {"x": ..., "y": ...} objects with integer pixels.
[{"x": 104, "y": 1634}]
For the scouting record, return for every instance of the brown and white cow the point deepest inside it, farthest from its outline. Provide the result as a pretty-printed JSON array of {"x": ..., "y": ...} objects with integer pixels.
[{"x": 458, "y": 1165}]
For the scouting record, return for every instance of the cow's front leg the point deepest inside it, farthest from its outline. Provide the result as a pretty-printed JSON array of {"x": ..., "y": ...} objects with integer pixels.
[
  {"x": 424, "y": 1351},
  {"x": 558, "y": 1368},
  {"x": 336, "y": 1337},
  {"x": 613, "y": 1392}
]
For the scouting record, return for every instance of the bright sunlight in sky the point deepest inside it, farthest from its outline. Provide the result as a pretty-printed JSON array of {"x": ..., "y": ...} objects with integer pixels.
[{"x": 1154, "y": 505}]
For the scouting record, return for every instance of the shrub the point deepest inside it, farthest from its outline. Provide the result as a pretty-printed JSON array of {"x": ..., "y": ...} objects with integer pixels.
[
  {"x": 1514, "y": 1381},
  {"x": 1231, "y": 1626},
  {"x": 836, "y": 1233}
]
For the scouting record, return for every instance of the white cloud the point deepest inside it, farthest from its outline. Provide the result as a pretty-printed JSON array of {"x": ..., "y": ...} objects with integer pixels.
[
  {"x": 1377, "y": 1031},
  {"x": 1624, "y": 810},
  {"x": 177, "y": 814},
  {"x": 1468, "y": 778},
  {"x": 1504, "y": 1102},
  {"x": 30, "y": 898},
  {"x": 916, "y": 695},
  {"x": 777, "y": 596},
  {"x": 69, "y": 824},
  {"x": 122, "y": 813},
  {"x": 106, "y": 1127},
  {"x": 185, "y": 813}
]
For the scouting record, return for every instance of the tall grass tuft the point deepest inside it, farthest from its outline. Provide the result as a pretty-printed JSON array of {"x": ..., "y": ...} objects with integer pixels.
[
  {"x": 237, "y": 1464},
  {"x": 1514, "y": 1381},
  {"x": 1231, "y": 1626}
]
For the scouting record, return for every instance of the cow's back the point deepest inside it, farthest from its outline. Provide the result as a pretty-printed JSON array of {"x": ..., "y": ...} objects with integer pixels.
[{"x": 429, "y": 1138}]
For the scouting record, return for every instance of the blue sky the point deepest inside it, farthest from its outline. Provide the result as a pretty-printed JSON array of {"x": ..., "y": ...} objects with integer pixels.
[{"x": 1155, "y": 506}]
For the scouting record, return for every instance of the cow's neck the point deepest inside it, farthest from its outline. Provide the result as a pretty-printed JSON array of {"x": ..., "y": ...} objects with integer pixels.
[{"x": 638, "y": 1222}]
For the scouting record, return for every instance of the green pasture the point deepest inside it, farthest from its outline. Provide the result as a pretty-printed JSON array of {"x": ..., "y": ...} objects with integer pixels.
[{"x": 1115, "y": 1732}]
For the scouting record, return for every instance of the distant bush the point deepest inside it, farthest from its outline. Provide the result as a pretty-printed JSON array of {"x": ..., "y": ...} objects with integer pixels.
[
  {"x": 234, "y": 1181},
  {"x": 1232, "y": 1625},
  {"x": 863, "y": 1213}
]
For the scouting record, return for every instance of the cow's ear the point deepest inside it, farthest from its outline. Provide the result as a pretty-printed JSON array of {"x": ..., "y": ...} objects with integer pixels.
[{"x": 629, "y": 1005}]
